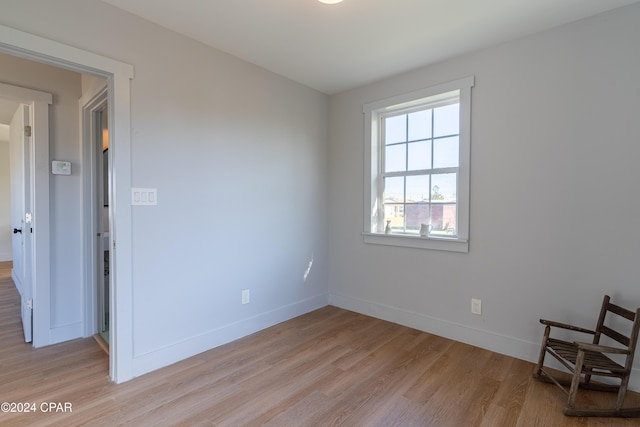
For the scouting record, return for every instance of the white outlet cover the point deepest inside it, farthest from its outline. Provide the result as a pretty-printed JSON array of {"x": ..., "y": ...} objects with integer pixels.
[
  {"x": 476, "y": 306},
  {"x": 246, "y": 297}
]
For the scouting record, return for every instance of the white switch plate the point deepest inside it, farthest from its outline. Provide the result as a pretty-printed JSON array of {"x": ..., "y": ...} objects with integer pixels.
[
  {"x": 144, "y": 196},
  {"x": 246, "y": 297}
]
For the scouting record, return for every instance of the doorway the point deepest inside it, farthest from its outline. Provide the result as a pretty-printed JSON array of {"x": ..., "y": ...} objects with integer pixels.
[
  {"x": 14, "y": 189},
  {"x": 20, "y": 177},
  {"x": 118, "y": 76},
  {"x": 29, "y": 194},
  {"x": 7, "y": 110}
]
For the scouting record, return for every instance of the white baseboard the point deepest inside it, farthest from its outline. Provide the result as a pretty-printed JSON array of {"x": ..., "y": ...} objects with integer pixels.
[
  {"x": 143, "y": 363},
  {"x": 514, "y": 347}
]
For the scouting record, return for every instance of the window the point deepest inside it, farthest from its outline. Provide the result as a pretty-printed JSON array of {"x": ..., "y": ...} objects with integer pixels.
[{"x": 417, "y": 170}]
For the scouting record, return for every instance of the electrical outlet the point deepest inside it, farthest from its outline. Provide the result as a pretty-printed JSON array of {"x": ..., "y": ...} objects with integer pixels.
[
  {"x": 246, "y": 297},
  {"x": 476, "y": 306}
]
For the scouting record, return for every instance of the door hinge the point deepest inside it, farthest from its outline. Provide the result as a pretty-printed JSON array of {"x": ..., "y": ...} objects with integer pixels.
[
  {"x": 30, "y": 303},
  {"x": 27, "y": 131}
]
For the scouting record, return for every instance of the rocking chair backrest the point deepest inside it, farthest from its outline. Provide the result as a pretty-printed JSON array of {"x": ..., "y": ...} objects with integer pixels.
[
  {"x": 602, "y": 329},
  {"x": 586, "y": 360}
]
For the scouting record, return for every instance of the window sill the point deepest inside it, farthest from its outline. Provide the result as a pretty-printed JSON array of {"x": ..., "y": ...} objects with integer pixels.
[{"x": 419, "y": 242}]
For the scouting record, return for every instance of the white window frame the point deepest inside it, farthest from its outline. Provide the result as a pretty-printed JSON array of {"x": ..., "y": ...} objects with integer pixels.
[{"x": 373, "y": 206}]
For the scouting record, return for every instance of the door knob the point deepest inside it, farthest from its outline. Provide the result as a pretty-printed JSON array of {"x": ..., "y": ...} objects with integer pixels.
[{"x": 17, "y": 230}]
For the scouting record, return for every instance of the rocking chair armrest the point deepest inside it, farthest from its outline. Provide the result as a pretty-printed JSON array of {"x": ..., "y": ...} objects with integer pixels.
[
  {"x": 587, "y": 346},
  {"x": 566, "y": 326}
]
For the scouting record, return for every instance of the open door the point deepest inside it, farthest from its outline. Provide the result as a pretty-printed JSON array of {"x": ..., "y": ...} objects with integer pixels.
[
  {"x": 29, "y": 164},
  {"x": 101, "y": 141},
  {"x": 97, "y": 204},
  {"x": 21, "y": 242}
]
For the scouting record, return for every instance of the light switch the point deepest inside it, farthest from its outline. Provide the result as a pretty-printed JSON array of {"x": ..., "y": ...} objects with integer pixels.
[{"x": 144, "y": 196}]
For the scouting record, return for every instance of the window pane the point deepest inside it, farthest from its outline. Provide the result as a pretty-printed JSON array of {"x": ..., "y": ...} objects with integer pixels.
[
  {"x": 395, "y": 158},
  {"x": 417, "y": 188},
  {"x": 394, "y": 217},
  {"x": 445, "y": 153},
  {"x": 395, "y": 129},
  {"x": 419, "y": 155},
  {"x": 443, "y": 187},
  {"x": 446, "y": 120},
  {"x": 394, "y": 189},
  {"x": 416, "y": 214},
  {"x": 420, "y": 125},
  {"x": 444, "y": 219}
]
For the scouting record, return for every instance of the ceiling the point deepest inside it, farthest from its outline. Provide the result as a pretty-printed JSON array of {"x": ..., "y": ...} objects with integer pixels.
[{"x": 333, "y": 48}]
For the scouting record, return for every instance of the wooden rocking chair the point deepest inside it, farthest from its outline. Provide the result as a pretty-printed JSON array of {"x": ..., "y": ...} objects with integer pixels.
[{"x": 585, "y": 360}]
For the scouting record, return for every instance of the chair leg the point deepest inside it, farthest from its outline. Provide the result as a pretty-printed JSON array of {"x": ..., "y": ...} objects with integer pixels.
[
  {"x": 543, "y": 351},
  {"x": 622, "y": 392},
  {"x": 575, "y": 382}
]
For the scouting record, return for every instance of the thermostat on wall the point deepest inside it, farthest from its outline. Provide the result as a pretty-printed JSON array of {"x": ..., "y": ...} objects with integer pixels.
[{"x": 60, "y": 168}]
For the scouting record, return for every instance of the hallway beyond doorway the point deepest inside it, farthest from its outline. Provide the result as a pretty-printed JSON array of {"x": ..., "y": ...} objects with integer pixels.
[{"x": 5, "y": 270}]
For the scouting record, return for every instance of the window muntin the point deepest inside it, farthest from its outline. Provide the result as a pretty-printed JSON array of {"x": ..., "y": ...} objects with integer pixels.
[{"x": 418, "y": 158}]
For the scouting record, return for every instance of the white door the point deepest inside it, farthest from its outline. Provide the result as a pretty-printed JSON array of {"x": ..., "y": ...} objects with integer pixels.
[
  {"x": 20, "y": 155},
  {"x": 101, "y": 140}
]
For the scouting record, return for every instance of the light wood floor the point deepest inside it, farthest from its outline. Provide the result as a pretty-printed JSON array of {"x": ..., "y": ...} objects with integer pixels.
[{"x": 328, "y": 367}]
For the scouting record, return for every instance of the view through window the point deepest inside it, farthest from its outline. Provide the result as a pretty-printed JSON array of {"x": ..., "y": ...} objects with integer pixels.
[{"x": 421, "y": 170}]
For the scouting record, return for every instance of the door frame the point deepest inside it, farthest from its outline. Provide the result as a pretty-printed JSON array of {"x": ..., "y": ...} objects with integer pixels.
[{"x": 118, "y": 74}]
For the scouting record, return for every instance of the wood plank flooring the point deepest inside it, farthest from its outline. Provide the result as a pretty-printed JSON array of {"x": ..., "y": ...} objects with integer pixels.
[{"x": 330, "y": 367}]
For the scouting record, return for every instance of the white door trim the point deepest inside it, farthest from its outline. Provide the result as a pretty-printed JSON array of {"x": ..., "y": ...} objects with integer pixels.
[{"x": 118, "y": 75}]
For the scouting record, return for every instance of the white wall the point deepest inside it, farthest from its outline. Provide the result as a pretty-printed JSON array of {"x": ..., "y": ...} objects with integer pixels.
[
  {"x": 554, "y": 185},
  {"x": 5, "y": 197},
  {"x": 239, "y": 158}
]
